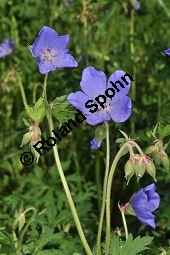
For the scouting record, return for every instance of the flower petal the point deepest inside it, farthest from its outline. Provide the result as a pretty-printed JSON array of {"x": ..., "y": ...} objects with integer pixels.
[
  {"x": 78, "y": 100},
  {"x": 46, "y": 66},
  {"x": 120, "y": 111},
  {"x": 97, "y": 118},
  {"x": 167, "y": 52},
  {"x": 93, "y": 82},
  {"x": 116, "y": 78},
  {"x": 47, "y": 38},
  {"x": 65, "y": 61},
  {"x": 150, "y": 221}
]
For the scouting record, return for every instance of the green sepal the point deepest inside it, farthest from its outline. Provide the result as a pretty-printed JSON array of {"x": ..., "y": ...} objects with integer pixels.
[
  {"x": 129, "y": 210},
  {"x": 151, "y": 170},
  {"x": 100, "y": 133}
]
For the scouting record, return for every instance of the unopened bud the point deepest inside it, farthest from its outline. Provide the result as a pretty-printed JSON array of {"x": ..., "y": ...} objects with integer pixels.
[
  {"x": 150, "y": 169},
  {"x": 129, "y": 169},
  {"x": 140, "y": 167},
  {"x": 164, "y": 159},
  {"x": 118, "y": 231},
  {"x": 151, "y": 149}
]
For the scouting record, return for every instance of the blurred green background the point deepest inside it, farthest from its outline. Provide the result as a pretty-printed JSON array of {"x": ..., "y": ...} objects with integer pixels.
[{"x": 109, "y": 35}]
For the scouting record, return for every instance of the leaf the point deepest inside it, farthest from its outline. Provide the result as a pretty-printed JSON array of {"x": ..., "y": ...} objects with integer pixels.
[
  {"x": 166, "y": 131},
  {"x": 62, "y": 110},
  {"x": 114, "y": 245},
  {"x": 133, "y": 247},
  {"x": 37, "y": 112}
]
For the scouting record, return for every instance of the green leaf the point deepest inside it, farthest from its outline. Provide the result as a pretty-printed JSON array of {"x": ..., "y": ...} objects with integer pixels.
[
  {"x": 30, "y": 112},
  {"x": 166, "y": 131},
  {"x": 39, "y": 109},
  {"x": 133, "y": 247},
  {"x": 114, "y": 245},
  {"x": 62, "y": 110},
  {"x": 37, "y": 112}
]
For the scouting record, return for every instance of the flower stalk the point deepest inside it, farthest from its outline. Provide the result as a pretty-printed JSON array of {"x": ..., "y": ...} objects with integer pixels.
[
  {"x": 64, "y": 182},
  {"x": 104, "y": 190},
  {"x": 108, "y": 195}
]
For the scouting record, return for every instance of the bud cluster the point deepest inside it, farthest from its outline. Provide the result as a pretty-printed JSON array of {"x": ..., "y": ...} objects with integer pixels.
[
  {"x": 138, "y": 164},
  {"x": 160, "y": 156},
  {"x": 32, "y": 137}
]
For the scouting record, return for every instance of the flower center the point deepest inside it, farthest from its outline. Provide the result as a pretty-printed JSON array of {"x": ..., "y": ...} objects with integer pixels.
[
  {"x": 7, "y": 49},
  {"x": 47, "y": 55}
]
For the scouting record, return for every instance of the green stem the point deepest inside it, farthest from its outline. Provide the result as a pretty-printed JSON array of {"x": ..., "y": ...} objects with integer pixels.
[
  {"x": 108, "y": 195},
  {"x": 137, "y": 147},
  {"x": 132, "y": 51},
  {"x": 125, "y": 224},
  {"x": 98, "y": 182},
  {"x": 64, "y": 182},
  {"x": 24, "y": 99},
  {"x": 104, "y": 190}
]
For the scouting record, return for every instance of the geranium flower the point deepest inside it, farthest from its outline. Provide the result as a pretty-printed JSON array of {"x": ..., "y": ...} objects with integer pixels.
[
  {"x": 94, "y": 144},
  {"x": 167, "y": 52},
  {"x": 6, "y": 48},
  {"x": 137, "y": 5},
  {"x": 51, "y": 51},
  {"x": 144, "y": 202},
  {"x": 93, "y": 84}
]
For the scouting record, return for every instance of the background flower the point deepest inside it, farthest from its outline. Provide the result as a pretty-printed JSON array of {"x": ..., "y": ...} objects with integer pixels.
[
  {"x": 137, "y": 5},
  {"x": 6, "y": 48},
  {"x": 144, "y": 202},
  {"x": 93, "y": 84},
  {"x": 51, "y": 51},
  {"x": 94, "y": 144},
  {"x": 167, "y": 51}
]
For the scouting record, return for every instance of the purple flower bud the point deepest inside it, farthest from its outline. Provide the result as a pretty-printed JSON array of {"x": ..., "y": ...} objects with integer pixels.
[
  {"x": 94, "y": 144},
  {"x": 144, "y": 202}
]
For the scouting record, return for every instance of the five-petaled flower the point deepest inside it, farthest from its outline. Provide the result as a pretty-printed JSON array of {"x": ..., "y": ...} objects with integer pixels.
[
  {"x": 144, "y": 202},
  {"x": 6, "y": 48},
  {"x": 93, "y": 84},
  {"x": 51, "y": 51}
]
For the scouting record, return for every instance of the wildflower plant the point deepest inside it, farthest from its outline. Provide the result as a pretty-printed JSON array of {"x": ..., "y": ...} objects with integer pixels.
[{"x": 51, "y": 52}]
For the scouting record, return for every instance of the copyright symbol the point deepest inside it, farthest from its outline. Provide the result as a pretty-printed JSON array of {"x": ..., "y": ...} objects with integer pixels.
[{"x": 27, "y": 158}]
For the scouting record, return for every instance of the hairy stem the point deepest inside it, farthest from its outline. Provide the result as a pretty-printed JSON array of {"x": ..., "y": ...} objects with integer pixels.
[
  {"x": 24, "y": 99},
  {"x": 64, "y": 182},
  {"x": 125, "y": 224},
  {"x": 108, "y": 195},
  {"x": 104, "y": 190}
]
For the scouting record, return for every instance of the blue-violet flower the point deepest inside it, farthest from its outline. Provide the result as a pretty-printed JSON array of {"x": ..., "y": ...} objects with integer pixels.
[
  {"x": 51, "y": 51},
  {"x": 144, "y": 202},
  {"x": 167, "y": 52},
  {"x": 137, "y": 5},
  {"x": 94, "y": 144},
  {"x": 6, "y": 48},
  {"x": 93, "y": 84}
]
